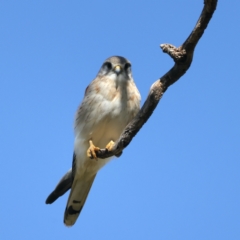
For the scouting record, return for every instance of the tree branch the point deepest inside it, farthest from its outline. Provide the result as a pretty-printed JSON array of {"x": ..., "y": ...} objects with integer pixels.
[{"x": 182, "y": 57}]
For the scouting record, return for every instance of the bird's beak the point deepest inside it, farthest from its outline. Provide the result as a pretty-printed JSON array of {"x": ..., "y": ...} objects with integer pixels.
[{"x": 117, "y": 69}]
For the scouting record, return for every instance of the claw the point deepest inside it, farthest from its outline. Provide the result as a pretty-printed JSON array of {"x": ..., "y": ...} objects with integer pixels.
[
  {"x": 91, "y": 152},
  {"x": 110, "y": 145}
]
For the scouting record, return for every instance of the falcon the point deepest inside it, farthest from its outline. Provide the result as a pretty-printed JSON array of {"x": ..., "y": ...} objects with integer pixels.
[{"x": 110, "y": 102}]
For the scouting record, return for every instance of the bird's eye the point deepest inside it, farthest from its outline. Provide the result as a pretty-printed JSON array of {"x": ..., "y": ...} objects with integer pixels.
[
  {"x": 127, "y": 67},
  {"x": 107, "y": 66}
]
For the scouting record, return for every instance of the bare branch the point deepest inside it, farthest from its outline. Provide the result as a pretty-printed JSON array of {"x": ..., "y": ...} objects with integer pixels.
[{"x": 182, "y": 57}]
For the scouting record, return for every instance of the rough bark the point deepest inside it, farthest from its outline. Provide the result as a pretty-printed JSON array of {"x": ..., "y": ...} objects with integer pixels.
[{"x": 182, "y": 56}]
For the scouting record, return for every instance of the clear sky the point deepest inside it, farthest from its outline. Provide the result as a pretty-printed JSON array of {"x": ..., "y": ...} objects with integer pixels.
[{"x": 178, "y": 179}]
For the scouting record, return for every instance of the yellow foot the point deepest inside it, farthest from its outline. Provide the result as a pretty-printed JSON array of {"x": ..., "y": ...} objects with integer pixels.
[
  {"x": 110, "y": 145},
  {"x": 91, "y": 152}
]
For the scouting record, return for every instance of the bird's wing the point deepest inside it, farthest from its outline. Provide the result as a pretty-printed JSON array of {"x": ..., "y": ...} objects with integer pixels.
[{"x": 62, "y": 187}]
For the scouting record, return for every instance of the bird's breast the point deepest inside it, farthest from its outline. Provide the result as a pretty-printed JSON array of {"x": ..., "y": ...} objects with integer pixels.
[{"x": 103, "y": 114}]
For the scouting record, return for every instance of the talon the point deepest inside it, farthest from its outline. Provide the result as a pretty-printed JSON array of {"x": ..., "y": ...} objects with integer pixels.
[
  {"x": 110, "y": 145},
  {"x": 91, "y": 152}
]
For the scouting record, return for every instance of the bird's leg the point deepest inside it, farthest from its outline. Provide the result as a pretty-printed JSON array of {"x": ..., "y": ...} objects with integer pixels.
[{"x": 91, "y": 152}]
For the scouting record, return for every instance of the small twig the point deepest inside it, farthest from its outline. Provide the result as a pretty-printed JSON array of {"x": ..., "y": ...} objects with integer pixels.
[{"x": 182, "y": 57}]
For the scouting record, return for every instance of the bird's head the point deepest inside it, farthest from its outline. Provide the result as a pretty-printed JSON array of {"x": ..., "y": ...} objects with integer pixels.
[{"x": 117, "y": 68}]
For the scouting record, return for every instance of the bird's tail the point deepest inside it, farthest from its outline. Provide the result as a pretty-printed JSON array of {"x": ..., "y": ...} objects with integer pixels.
[{"x": 77, "y": 198}]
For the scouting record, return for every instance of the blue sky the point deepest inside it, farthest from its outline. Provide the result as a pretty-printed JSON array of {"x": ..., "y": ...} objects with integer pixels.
[{"x": 178, "y": 179}]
